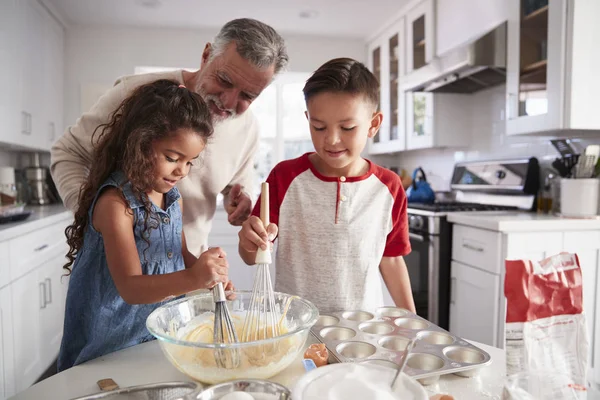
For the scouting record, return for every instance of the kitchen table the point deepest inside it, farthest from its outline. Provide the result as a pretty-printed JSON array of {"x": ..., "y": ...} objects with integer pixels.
[{"x": 145, "y": 363}]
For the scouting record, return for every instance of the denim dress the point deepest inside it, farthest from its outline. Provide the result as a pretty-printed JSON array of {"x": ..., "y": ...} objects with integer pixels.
[{"x": 97, "y": 320}]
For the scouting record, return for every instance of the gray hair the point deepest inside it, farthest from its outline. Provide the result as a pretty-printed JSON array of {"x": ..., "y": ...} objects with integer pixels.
[{"x": 256, "y": 42}]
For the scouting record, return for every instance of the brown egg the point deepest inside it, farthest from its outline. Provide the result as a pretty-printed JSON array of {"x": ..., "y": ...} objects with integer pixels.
[{"x": 318, "y": 353}]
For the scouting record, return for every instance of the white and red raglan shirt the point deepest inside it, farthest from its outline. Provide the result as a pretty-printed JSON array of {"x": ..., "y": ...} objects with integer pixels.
[{"x": 334, "y": 231}]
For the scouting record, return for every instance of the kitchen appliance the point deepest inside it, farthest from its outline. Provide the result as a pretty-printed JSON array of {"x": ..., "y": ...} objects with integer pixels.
[
  {"x": 467, "y": 69},
  {"x": 41, "y": 189},
  {"x": 385, "y": 334},
  {"x": 476, "y": 186},
  {"x": 8, "y": 188}
]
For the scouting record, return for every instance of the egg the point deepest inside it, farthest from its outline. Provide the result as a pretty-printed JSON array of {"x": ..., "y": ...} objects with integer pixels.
[{"x": 237, "y": 396}]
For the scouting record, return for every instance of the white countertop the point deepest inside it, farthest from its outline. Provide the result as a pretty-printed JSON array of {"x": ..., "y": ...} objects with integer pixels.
[
  {"x": 42, "y": 216},
  {"x": 145, "y": 363},
  {"x": 516, "y": 221}
]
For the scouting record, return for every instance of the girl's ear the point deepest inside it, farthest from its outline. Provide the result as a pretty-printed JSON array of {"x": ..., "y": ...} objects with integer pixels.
[{"x": 376, "y": 121}]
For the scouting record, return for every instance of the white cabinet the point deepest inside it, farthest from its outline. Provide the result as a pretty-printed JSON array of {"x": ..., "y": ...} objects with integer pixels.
[
  {"x": 420, "y": 35},
  {"x": 31, "y": 51},
  {"x": 32, "y": 304},
  {"x": 7, "y": 371},
  {"x": 431, "y": 120},
  {"x": 28, "y": 302},
  {"x": 473, "y": 303},
  {"x": 552, "y": 59},
  {"x": 461, "y": 21},
  {"x": 386, "y": 59}
]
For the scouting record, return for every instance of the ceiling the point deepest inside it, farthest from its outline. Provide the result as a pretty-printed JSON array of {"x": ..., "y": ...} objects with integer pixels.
[{"x": 334, "y": 18}]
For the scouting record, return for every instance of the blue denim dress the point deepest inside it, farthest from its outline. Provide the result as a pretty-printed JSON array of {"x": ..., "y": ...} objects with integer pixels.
[{"x": 97, "y": 320}]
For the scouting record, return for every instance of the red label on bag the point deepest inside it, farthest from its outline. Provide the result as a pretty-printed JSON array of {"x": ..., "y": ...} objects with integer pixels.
[{"x": 540, "y": 290}]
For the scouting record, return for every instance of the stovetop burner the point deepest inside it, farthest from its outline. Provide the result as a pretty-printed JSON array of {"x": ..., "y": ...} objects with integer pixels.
[{"x": 458, "y": 206}]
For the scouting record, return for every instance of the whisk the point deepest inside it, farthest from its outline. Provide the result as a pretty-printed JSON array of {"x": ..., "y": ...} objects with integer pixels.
[
  {"x": 263, "y": 316},
  {"x": 224, "y": 331}
]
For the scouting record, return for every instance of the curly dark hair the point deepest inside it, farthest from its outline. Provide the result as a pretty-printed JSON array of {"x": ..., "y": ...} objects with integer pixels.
[{"x": 152, "y": 112}]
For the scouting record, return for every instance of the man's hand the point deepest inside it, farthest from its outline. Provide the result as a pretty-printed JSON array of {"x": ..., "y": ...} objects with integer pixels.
[{"x": 238, "y": 205}]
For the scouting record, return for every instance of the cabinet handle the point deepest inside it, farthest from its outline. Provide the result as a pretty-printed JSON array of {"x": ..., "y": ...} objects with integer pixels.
[
  {"x": 49, "y": 281},
  {"x": 29, "y": 124},
  {"x": 23, "y": 122},
  {"x": 471, "y": 247},
  {"x": 42, "y": 247},
  {"x": 42, "y": 295},
  {"x": 452, "y": 290}
]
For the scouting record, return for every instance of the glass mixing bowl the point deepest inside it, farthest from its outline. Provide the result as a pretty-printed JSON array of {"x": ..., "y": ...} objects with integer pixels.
[{"x": 261, "y": 359}]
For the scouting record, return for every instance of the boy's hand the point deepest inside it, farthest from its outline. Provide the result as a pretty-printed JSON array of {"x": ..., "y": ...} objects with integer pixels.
[
  {"x": 211, "y": 268},
  {"x": 254, "y": 235}
]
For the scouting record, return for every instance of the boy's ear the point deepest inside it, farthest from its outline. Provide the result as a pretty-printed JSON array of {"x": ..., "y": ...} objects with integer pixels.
[
  {"x": 306, "y": 115},
  {"x": 376, "y": 121}
]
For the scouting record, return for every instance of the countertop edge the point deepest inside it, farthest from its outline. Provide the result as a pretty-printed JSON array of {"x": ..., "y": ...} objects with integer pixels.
[
  {"x": 56, "y": 214},
  {"x": 507, "y": 226}
]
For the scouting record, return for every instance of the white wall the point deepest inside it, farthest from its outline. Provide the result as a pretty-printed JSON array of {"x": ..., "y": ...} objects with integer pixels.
[
  {"x": 489, "y": 141},
  {"x": 97, "y": 56}
]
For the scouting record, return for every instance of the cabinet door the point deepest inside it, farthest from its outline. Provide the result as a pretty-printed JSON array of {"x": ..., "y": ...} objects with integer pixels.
[
  {"x": 378, "y": 63},
  {"x": 52, "y": 98},
  {"x": 474, "y": 304},
  {"x": 419, "y": 120},
  {"x": 32, "y": 55},
  {"x": 420, "y": 35},
  {"x": 536, "y": 65},
  {"x": 10, "y": 73},
  {"x": 461, "y": 21},
  {"x": 27, "y": 304},
  {"x": 53, "y": 314},
  {"x": 396, "y": 40},
  {"x": 7, "y": 368}
]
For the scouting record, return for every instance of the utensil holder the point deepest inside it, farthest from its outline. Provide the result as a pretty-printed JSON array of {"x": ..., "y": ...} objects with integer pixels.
[{"x": 579, "y": 197}]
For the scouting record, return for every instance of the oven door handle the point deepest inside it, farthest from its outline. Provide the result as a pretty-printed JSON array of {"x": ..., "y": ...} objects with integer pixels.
[{"x": 417, "y": 237}]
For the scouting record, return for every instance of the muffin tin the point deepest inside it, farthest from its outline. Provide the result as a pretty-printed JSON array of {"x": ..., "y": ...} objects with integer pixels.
[{"x": 381, "y": 337}]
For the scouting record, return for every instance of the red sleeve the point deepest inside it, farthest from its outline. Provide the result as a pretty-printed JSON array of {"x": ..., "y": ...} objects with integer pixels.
[
  {"x": 279, "y": 180},
  {"x": 398, "y": 242}
]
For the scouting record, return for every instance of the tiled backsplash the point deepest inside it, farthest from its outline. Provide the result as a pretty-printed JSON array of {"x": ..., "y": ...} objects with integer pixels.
[{"x": 489, "y": 141}]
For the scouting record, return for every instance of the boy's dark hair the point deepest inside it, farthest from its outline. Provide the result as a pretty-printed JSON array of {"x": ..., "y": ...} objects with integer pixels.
[
  {"x": 343, "y": 75},
  {"x": 153, "y": 111}
]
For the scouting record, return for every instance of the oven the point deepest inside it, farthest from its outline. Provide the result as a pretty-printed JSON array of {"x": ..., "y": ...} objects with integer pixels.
[{"x": 429, "y": 266}]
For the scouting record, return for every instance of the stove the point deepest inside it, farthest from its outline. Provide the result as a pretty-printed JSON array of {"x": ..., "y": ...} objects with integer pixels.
[{"x": 476, "y": 186}]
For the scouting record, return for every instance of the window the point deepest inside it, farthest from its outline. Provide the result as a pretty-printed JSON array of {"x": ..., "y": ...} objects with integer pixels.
[{"x": 284, "y": 130}]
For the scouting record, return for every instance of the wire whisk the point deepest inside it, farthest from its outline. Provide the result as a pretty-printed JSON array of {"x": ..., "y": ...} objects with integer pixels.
[
  {"x": 224, "y": 331},
  {"x": 263, "y": 316}
]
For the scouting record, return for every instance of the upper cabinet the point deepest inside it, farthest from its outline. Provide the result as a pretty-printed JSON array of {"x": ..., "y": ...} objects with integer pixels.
[
  {"x": 387, "y": 62},
  {"x": 461, "y": 21},
  {"x": 32, "y": 53},
  {"x": 551, "y": 80},
  {"x": 420, "y": 35}
]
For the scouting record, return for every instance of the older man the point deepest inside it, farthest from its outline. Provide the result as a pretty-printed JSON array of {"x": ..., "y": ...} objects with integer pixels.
[{"x": 243, "y": 59}]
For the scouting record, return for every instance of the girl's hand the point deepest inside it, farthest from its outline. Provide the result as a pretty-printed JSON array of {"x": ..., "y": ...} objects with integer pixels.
[
  {"x": 254, "y": 235},
  {"x": 211, "y": 268},
  {"x": 230, "y": 288}
]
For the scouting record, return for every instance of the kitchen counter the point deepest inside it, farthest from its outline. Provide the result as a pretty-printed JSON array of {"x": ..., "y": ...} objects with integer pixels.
[
  {"x": 145, "y": 363},
  {"x": 41, "y": 216},
  {"x": 516, "y": 221}
]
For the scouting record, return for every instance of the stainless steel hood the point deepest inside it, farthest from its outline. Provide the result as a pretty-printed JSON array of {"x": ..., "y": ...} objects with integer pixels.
[{"x": 479, "y": 65}]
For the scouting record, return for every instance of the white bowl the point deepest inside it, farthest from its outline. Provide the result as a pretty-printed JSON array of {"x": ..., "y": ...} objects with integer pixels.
[{"x": 315, "y": 384}]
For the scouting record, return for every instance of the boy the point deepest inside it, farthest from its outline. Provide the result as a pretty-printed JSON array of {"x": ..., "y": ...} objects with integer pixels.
[{"x": 339, "y": 219}]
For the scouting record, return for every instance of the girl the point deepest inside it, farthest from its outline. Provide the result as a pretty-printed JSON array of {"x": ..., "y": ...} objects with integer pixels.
[{"x": 127, "y": 248}]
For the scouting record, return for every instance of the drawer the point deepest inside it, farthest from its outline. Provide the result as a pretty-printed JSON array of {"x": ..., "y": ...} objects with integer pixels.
[
  {"x": 28, "y": 251},
  {"x": 4, "y": 264},
  {"x": 477, "y": 247}
]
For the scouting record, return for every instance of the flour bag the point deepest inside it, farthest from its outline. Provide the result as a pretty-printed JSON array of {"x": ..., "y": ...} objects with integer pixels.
[{"x": 546, "y": 336}]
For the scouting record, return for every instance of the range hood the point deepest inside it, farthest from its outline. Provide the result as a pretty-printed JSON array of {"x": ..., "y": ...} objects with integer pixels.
[{"x": 467, "y": 69}]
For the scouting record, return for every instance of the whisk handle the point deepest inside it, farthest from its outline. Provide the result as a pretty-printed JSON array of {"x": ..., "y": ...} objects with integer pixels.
[
  {"x": 264, "y": 204},
  {"x": 219, "y": 293}
]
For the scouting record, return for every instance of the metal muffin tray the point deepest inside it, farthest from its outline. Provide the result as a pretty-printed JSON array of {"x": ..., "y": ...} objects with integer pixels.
[{"x": 381, "y": 337}]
